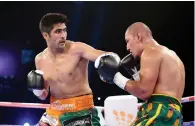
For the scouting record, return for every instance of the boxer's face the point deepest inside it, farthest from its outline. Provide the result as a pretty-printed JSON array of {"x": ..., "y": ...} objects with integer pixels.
[
  {"x": 132, "y": 44},
  {"x": 57, "y": 37}
]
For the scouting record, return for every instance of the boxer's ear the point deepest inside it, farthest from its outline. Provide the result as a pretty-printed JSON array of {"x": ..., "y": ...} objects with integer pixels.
[
  {"x": 45, "y": 35},
  {"x": 139, "y": 37}
]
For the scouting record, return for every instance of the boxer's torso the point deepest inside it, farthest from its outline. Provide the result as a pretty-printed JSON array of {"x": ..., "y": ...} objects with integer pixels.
[
  {"x": 171, "y": 77},
  {"x": 66, "y": 74}
]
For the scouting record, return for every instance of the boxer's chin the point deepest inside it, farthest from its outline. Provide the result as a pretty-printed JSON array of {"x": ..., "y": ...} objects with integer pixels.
[
  {"x": 133, "y": 54},
  {"x": 61, "y": 45}
]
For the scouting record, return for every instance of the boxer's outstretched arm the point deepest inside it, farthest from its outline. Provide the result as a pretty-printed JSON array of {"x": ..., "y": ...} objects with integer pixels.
[
  {"x": 149, "y": 70},
  {"x": 87, "y": 51}
]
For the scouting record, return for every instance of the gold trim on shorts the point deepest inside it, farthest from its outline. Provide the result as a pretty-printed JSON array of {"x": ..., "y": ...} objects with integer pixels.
[{"x": 169, "y": 96}]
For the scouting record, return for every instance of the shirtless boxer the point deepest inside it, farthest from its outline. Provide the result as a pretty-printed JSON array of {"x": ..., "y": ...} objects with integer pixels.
[
  {"x": 161, "y": 78},
  {"x": 63, "y": 68}
]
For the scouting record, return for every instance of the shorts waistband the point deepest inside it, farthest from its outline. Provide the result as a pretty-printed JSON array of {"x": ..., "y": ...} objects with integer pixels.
[
  {"x": 164, "y": 99},
  {"x": 60, "y": 106}
]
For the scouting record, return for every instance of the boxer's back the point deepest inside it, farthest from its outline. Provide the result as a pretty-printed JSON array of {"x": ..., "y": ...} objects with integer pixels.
[
  {"x": 171, "y": 78},
  {"x": 66, "y": 74}
]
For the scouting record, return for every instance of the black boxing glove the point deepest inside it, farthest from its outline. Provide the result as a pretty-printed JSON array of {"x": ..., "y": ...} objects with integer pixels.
[
  {"x": 107, "y": 65},
  {"x": 35, "y": 80},
  {"x": 35, "y": 83},
  {"x": 132, "y": 65}
]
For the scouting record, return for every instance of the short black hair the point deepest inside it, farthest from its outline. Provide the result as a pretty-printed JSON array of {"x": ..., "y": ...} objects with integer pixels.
[{"x": 49, "y": 19}]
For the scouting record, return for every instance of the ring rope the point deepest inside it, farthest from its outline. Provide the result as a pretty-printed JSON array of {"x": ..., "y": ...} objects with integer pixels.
[
  {"x": 183, "y": 100},
  {"x": 43, "y": 106}
]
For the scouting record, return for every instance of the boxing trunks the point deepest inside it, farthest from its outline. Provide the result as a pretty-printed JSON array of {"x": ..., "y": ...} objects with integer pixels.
[
  {"x": 160, "y": 110},
  {"x": 77, "y": 111}
]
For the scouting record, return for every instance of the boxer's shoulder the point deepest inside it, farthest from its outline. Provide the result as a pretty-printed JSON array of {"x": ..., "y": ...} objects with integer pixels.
[
  {"x": 77, "y": 44},
  {"x": 70, "y": 41},
  {"x": 154, "y": 48},
  {"x": 77, "y": 47},
  {"x": 152, "y": 52},
  {"x": 40, "y": 56},
  {"x": 71, "y": 44}
]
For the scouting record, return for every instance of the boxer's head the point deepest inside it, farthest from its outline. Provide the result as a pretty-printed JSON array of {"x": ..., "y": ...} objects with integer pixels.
[
  {"x": 53, "y": 29},
  {"x": 135, "y": 37}
]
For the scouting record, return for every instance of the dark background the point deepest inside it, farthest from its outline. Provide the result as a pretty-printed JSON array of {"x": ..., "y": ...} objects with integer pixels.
[{"x": 99, "y": 24}]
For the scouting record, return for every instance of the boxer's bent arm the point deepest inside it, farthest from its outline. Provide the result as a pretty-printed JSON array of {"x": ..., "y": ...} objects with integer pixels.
[
  {"x": 38, "y": 60},
  {"x": 149, "y": 70},
  {"x": 87, "y": 51}
]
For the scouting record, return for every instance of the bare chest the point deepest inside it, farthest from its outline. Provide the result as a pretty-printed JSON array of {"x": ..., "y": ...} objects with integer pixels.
[{"x": 60, "y": 69}]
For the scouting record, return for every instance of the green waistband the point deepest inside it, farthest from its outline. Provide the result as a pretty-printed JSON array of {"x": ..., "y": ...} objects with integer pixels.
[{"x": 164, "y": 99}]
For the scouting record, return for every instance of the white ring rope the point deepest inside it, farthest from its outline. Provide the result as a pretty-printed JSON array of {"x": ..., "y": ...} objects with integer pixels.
[
  {"x": 43, "y": 106},
  {"x": 183, "y": 100}
]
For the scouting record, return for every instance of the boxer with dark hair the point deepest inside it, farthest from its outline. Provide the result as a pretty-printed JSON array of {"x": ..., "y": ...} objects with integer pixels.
[{"x": 62, "y": 68}]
